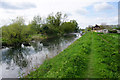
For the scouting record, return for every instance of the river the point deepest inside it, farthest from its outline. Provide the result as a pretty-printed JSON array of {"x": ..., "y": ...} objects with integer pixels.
[{"x": 18, "y": 60}]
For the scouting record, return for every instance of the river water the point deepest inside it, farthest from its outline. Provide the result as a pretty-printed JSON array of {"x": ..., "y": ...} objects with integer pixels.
[{"x": 16, "y": 61}]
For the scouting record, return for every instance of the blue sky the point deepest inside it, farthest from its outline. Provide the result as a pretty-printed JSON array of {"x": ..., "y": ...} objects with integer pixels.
[
  {"x": 86, "y": 12},
  {"x": 110, "y": 11},
  {"x": 7, "y": 5}
]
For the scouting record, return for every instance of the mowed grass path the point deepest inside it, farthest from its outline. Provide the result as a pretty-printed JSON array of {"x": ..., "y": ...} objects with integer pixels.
[
  {"x": 88, "y": 57},
  {"x": 90, "y": 73}
]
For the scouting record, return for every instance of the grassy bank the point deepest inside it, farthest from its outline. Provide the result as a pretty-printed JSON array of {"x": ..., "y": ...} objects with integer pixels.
[
  {"x": 92, "y": 56},
  {"x": 37, "y": 37}
]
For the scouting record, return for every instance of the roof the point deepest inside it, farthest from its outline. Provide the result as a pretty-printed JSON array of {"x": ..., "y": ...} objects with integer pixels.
[{"x": 96, "y": 27}]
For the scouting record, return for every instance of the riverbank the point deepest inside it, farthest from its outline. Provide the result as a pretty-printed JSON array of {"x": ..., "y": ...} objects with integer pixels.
[
  {"x": 32, "y": 38},
  {"x": 91, "y": 56}
]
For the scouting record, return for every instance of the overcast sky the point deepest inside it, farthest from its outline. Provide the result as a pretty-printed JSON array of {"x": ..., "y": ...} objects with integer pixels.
[{"x": 85, "y": 12}]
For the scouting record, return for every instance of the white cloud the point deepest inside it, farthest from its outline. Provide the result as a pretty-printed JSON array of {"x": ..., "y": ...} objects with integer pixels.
[
  {"x": 108, "y": 20},
  {"x": 103, "y": 6},
  {"x": 7, "y": 5},
  {"x": 45, "y": 7},
  {"x": 82, "y": 11}
]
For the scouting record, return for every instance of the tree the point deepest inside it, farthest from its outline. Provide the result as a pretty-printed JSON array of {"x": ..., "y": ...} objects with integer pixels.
[
  {"x": 68, "y": 27},
  {"x": 76, "y": 25},
  {"x": 57, "y": 19},
  {"x": 50, "y": 19},
  {"x": 54, "y": 23},
  {"x": 15, "y": 33},
  {"x": 36, "y": 24},
  {"x": 89, "y": 28}
]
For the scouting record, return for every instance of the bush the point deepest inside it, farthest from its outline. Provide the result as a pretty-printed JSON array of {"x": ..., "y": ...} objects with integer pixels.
[
  {"x": 112, "y": 31},
  {"x": 15, "y": 33}
]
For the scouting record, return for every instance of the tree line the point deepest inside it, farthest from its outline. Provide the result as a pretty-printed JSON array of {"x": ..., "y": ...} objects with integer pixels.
[{"x": 18, "y": 32}]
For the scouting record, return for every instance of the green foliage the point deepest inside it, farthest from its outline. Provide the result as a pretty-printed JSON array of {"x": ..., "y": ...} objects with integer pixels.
[
  {"x": 75, "y": 25},
  {"x": 15, "y": 33},
  {"x": 118, "y": 28},
  {"x": 36, "y": 24},
  {"x": 55, "y": 20},
  {"x": 112, "y": 31},
  {"x": 68, "y": 27},
  {"x": 38, "y": 37},
  {"x": 107, "y": 53},
  {"x": 53, "y": 25},
  {"x": 49, "y": 29},
  {"x": 89, "y": 28}
]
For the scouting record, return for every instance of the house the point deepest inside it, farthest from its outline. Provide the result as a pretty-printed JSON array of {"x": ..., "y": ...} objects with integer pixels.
[
  {"x": 96, "y": 29},
  {"x": 99, "y": 29}
]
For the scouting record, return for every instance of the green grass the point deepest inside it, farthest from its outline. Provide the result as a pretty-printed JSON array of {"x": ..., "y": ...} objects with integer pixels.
[
  {"x": 107, "y": 50},
  {"x": 37, "y": 37},
  {"x": 92, "y": 56},
  {"x": 92, "y": 70}
]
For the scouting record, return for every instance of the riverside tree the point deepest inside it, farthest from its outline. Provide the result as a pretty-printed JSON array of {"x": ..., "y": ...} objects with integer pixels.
[
  {"x": 15, "y": 33},
  {"x": 35, "y": 24}
]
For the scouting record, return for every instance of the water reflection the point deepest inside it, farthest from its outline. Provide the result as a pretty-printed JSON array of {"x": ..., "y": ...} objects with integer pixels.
[{"x": 23, "y": 59}]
